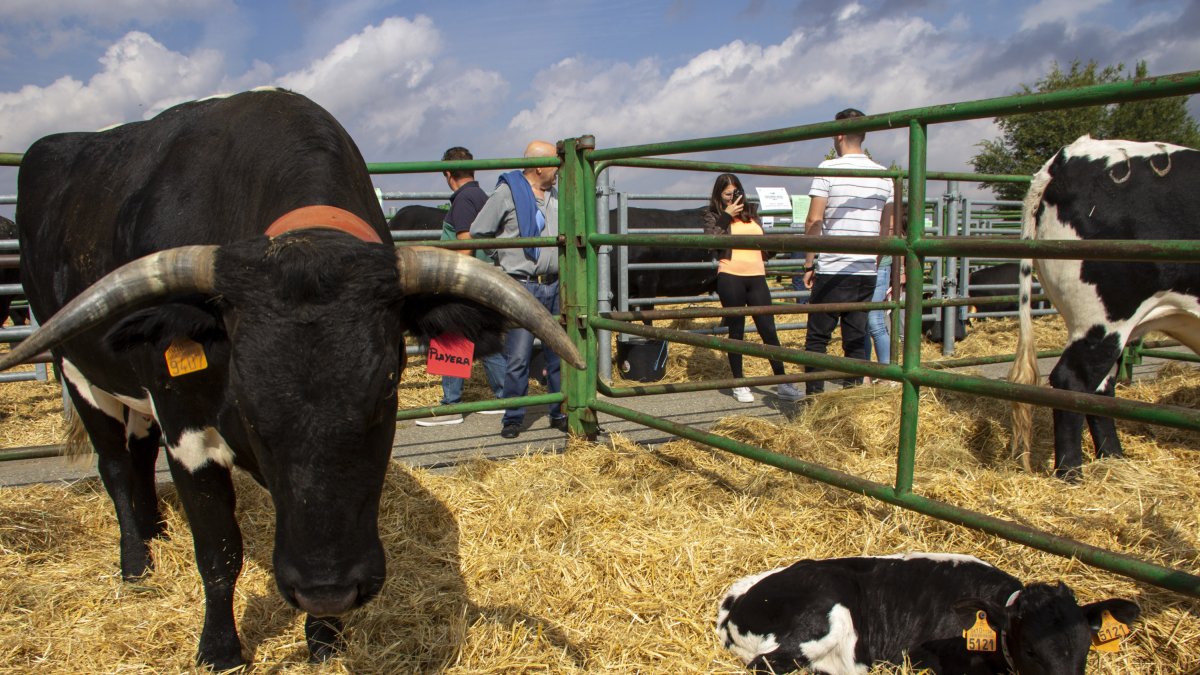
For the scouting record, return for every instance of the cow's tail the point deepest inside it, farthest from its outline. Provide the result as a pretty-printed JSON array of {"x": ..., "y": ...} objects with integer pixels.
[
  {"x": 78, "y": 443},
  {"x": 1025, "y": 366}
]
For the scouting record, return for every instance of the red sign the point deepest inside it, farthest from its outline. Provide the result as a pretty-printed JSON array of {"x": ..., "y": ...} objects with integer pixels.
[{"x": 450, "y": 354}]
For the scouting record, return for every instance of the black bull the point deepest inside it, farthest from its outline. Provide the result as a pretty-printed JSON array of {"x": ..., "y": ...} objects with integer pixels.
[
  {"x": 174, "y": 316},
  {"x": 643, "y": 283},
  {"x": 10, "y": 275}
]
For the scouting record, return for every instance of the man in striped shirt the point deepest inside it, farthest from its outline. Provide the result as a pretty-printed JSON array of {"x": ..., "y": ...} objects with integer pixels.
[{"x": 843, "y": 207}]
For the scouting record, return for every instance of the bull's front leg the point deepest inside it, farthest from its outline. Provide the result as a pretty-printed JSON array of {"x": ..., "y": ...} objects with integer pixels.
[
  {"x": 127, "y": 471},
  {"x": 208, "y": 499}
]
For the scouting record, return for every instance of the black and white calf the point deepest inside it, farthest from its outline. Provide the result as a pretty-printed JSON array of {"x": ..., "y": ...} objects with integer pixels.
[
  {"x": 841, "y": 615},
  {"x": 1094, "y": 189}
]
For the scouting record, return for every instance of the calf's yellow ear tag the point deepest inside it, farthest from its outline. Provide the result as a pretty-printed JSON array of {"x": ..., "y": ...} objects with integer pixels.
[
  {"x": 1108, "y": 638},
  {"x": 980, "y": 637},
  {"x": 185, "y": 356}
]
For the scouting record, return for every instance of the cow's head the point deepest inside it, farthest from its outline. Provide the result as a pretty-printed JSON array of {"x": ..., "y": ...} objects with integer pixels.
[
  {"x": 308, "y": 328},
  {"x": 1042, "y": 628}
]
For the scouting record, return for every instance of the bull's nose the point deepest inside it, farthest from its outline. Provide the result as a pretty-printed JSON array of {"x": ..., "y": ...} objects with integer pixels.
[{"x": 327, "y": 600}]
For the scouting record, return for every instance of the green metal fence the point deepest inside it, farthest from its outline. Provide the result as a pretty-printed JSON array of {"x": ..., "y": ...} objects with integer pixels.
[{"x": 581, "y": 163}]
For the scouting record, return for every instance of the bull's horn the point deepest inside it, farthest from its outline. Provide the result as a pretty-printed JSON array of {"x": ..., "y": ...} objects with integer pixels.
[
  {"x": 187, "y": 269},
  {"x": 424, "y": 269}
]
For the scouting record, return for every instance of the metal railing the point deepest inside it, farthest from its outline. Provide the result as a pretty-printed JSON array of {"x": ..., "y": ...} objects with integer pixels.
[
  {"x": 579, "y": 243},
  {"x": 581, "y": 163}
]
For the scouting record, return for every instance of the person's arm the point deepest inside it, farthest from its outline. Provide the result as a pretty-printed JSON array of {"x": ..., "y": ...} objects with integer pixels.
[
  {"x": 886, "y": 227},
  {"x": 487, "y": 223},
  {"x": 812, "y": 227},
  {"x": 460, "y": 218}
]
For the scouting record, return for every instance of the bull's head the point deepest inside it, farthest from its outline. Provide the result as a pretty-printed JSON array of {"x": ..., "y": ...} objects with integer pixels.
[{"x": 309, "y": 331}]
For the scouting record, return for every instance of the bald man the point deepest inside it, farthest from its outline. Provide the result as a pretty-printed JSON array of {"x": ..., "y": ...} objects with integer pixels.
[{"x": 525, "y": 204}]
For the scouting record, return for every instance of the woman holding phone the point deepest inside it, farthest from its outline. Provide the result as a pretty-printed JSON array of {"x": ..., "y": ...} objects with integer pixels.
[{"x": 741, "y": 275}]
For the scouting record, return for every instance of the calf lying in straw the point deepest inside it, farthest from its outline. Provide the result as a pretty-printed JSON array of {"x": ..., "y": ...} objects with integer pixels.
[{"x": 949, "y": 613}]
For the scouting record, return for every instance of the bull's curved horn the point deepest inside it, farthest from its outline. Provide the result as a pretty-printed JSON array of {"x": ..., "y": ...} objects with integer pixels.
[
  {"x": 424, "y": 269},
  {"x": 186, "y": 269}
]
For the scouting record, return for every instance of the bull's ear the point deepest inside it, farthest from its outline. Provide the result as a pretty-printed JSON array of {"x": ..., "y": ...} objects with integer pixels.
[
  {"x": 159, "y": 326},
  {"x": 1122, "y": 610},
  {"x": 428, "y": 316}
]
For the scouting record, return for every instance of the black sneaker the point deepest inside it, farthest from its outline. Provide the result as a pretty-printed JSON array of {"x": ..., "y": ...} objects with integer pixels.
[
  {"x": 510, "y": 431},
  {"x": 559, "y": 423}
]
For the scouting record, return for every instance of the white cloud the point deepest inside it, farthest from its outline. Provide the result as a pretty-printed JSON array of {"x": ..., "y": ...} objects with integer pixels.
[
  {"x": 138, "y": 77},
  {"x": 386, "y": 83},
  {"x": 887, "y": 65},
  {"x": 1049, "y": 11}
]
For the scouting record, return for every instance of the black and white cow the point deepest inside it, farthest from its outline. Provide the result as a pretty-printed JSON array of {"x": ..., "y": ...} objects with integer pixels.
[
  {"x": 840, "y": 616},
  {"x": 219, "y": 275},
  {"x": 1096, "y": 189}
]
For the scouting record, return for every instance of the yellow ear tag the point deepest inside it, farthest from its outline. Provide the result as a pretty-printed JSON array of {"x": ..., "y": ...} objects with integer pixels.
[
  {"x": 1108, "y": 638},
  {"x": 980, "y": 637},
  {"x": 185, "y": 356}
]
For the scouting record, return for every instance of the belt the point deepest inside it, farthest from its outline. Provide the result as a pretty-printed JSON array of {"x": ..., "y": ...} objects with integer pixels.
[{"x": 536, "y": 278}]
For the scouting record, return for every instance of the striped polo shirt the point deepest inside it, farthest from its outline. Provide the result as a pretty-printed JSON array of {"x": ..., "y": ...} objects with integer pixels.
[{"x": 854, "y": 208}]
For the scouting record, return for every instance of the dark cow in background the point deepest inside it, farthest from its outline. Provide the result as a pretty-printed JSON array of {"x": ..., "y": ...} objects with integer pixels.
[
  {"x": 1006, "y": 274},
  {"x": 1096, "y": 189},
  {"x": 664, "y": 281},
  {"x": 9, "y": 275},
  {"x": 643, "y": 283},
  {"x": 415, "y": 218},
  {"x": 174, "y": 315},
  {"x": 841, "y": 616}
]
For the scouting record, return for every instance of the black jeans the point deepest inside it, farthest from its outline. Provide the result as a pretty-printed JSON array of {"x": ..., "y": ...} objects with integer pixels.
[
  {"x": 738, "y": 291},
  {"x": 828, "y": 288}
]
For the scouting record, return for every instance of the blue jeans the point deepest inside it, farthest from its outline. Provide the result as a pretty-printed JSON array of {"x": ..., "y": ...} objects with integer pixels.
[
  {"x": 877, "y": 318},
  {"x": 493, "y": 367},
  {"x": 798, "y": 280},
  {"x": 518, "y": 350}
]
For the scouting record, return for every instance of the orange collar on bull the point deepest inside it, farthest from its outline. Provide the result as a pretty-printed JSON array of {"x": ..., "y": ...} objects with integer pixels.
[{"x": 329, "y": 217}]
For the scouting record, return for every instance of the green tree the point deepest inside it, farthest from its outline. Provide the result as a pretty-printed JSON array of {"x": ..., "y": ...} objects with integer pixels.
[{"x": 1027, "y": 141}]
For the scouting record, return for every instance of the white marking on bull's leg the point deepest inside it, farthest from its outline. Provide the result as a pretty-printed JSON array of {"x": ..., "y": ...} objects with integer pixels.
[
  {"x": 834, "y": 652},
  {"x": 95, "y": 397},
  {"x": 199, "y": 447}
]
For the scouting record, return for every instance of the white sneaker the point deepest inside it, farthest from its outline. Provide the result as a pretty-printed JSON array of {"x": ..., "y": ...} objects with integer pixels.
[
  {"x": 439, "y": 420},
  {"x": 743, "y": 395},
  {"x": 497, "y": 411},
  {"x": 788, "y": 392}
]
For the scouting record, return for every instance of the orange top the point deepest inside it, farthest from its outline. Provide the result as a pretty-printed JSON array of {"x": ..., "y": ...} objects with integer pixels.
[
  {"x": 744, "y": 262},
  {"x": 329, "y": 217}
]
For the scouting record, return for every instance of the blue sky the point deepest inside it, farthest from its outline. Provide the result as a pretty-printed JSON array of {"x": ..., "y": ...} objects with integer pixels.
[{"x": 409, "y": 78}]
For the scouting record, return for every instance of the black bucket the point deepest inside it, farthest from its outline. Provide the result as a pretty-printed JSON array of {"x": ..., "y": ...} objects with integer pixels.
[{"x": 642, "y": 360}]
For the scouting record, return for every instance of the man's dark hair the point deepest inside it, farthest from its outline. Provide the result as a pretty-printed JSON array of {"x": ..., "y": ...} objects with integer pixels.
[
  {"x": 456, "y": 154},
  {"x": 849, "y": 114}
]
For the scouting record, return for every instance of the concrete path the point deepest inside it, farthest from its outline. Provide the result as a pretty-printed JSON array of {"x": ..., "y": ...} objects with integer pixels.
[{"x": 442, "y": 447}]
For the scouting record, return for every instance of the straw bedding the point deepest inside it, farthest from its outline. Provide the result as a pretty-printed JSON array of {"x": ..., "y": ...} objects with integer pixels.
[{"x": 612, "y": 557}]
